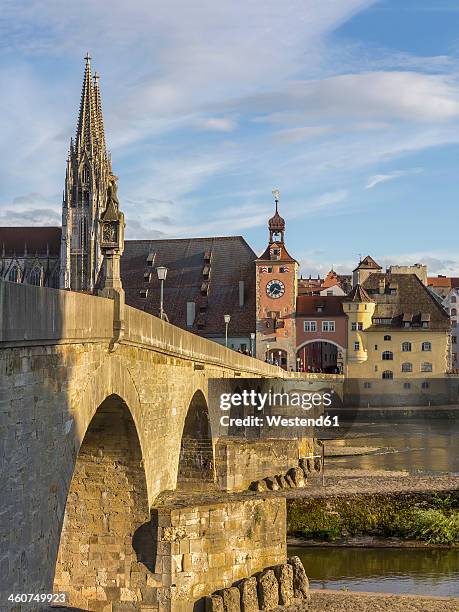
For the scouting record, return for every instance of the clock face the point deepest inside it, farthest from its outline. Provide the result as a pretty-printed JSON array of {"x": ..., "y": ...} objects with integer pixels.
[{"x": 275, "y": 289}]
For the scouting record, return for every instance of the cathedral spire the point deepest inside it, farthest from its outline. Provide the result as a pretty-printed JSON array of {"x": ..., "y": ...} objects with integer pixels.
[
  {"x": 98, "y": 113},
  {"x": 85, "y": 193},
  {"x": 87, "y": 122}
]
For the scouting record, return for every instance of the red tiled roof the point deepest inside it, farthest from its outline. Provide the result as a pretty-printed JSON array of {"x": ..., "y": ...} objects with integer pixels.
[
  {"x": 232, "y": 260},
  {"x": 306, "y": 306}
]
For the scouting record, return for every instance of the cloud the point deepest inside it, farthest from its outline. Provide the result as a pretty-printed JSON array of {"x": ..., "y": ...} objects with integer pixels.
[
  {"x": 376, "y": 179},
  {"x": 300, "y": 134},
  {"x": 218, "y": 124}
]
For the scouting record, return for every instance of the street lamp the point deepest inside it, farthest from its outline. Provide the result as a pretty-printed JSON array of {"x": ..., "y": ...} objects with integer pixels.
[
  {"x": 298, "y": 361},
  {"x": 227, "y": 319},
  {"x": 162, "y": 273},
  {"x": 267, "y": 353},
  {"x": 252, "y": 343}
]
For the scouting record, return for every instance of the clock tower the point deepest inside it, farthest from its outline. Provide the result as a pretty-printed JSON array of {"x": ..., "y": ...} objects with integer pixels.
[{"x": 276, "y": 291}]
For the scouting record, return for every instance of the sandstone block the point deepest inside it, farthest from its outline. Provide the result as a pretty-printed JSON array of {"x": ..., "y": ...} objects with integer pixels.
[
  {"x": 296, "y": 474},
  {"x": 231, "y": 599},
  {"x": 289, "y": 481},
  {"x": 303, "y": 463},
  {"x": 268, "y": 590},
  {"x": 284, "y": 575},
  {"x": 214, "y": 603},
  {"x": 249, "y": 595},
  {"x": 271, "y": 483},
  {"x": 300, "y": 580}
]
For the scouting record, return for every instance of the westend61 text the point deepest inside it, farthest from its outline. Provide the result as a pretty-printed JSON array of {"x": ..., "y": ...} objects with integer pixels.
[
  {"x": 278, "y": 421},
  {"x": 260, "y": 400}
]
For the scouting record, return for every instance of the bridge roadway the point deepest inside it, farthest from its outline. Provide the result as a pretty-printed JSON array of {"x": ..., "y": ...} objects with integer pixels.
[{"x": 91, "y": 431}]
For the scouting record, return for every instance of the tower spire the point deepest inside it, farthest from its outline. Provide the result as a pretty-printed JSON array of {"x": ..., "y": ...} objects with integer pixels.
[
  {"x": 87, "y": 116},
  {"x": 276, "y": 224},
  {"x": 85, "y": 193}
]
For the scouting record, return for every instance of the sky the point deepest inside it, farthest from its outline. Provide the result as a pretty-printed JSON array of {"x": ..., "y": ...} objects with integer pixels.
[{"x": 349, "y": 107}]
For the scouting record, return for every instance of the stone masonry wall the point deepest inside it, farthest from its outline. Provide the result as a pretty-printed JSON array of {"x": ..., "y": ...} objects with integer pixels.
[
  {"x": 239, "y": 461},
  {"x": 204, "y": 548}
]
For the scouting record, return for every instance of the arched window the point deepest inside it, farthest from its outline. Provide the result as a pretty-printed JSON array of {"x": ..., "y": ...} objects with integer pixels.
[
  {"x": 14, "y": 275},
  {"x": 453, "y": 312},
  {"x": 426, "y": 346},
  {"x": 406, "y": 347},
  {"x": 407, "y": 367},
  {"x": 36, "y": 277},
  {"x": 388, "y": 375},
  {"x": 387, "y": 338},
  {"x": 388, "y": 356},
  {"x": 426, "y": 367}
]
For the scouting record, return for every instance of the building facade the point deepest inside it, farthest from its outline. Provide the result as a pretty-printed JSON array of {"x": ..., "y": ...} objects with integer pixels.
[{"x": 451, "y": 305}]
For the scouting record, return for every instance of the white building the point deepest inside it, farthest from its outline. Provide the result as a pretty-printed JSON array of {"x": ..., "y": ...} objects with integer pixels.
[{"x": 451, "y": 304}]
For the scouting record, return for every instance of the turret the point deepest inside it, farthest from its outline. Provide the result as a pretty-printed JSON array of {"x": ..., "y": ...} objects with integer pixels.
[{"x": 359, "y": 309}]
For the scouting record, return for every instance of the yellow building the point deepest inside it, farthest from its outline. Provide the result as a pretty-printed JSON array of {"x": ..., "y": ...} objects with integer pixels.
[{"x": 396, "y": 329}]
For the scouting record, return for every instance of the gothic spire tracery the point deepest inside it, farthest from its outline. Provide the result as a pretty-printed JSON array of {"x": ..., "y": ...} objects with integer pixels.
[{"x": 85, "y": 193}]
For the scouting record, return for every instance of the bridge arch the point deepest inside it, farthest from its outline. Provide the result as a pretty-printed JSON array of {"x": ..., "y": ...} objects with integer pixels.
[
  {"x": 196, "y": 465},
  {"x": 311, "y": 356},
  {"x": 106, "y": 532}
]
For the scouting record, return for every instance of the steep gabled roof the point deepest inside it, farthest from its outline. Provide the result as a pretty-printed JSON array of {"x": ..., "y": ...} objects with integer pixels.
[
  {"x": 368, "y": 263},
  {"x": 358, "y": 294}
]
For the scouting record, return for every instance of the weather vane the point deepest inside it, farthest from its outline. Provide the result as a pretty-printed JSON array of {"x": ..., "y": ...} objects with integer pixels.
[{"x": 276, "y": 195}]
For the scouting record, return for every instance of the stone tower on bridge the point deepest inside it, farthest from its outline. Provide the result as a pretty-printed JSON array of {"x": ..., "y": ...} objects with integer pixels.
[{"x": 85, "y": 192}]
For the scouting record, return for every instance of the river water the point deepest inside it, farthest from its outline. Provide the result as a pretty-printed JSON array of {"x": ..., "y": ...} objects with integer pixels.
[
  {"x": 386, "y": 570},
  {"x": 419, "y": 445}
]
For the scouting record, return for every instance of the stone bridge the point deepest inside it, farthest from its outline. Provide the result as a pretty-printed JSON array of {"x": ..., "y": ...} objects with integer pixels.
[{"x": 92, "y": 433}]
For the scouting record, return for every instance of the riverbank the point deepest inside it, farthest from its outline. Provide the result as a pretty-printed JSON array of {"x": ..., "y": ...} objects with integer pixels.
[
  {"x": 426, "y": 516},
  {"x": 344, "y": 601},
  {"x": 365, "y": 542}
]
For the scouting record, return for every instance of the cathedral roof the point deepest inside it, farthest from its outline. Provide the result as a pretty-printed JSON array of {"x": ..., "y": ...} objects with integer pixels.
[{"x": 33, "y": 240}]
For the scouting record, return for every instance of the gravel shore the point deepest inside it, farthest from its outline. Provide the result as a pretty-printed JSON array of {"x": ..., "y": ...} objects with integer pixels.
[{"x": 345, "y": 601}]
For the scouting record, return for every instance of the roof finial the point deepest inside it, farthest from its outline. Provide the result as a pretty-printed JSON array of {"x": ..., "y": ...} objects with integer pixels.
[
  {"x": 275, "y": 193},
  {"x": 96, "y": 78},
  {"x": 87, "y": 57}
]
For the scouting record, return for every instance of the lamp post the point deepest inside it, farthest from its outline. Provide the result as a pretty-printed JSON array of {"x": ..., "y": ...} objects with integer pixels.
[
  {"x": 298, "y": 361},
  {"x": 162, "y": 273},
  {"x": 227, "y": 319},
  {"x": 252, "y": 344},
  {"x": 267, "y": 353}
]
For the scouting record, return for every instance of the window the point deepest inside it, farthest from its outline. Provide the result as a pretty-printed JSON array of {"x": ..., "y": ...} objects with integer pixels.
[
  {"x": 329, "y": 292},
  {"x": 328, "y": 326},
  {"x": 387, "y": 338},
  {"x": 354, "y": 326},
  {"x": 454, "y": 339},
  {"x": 35, "y": 277},
  {"x": 426, "y": 367},
  {"x": 310, "y": 326},
  {"x": 453, "y": 299},
  {"x": 406, "y": 347},
  {"x": 356, "y": 346},
  {"x": 367, "y": 385},
  {"x": 453, "y": 312},
  {"x": 384, "y": 321},
  {"x": 425, "y": 385},
  {"x": 13, "y": 275},
  {"x": 376, "y": 368},
  {"x": 453, "y": 323},
  {"x": 426, "y": 346},
  {"x": 407, "y": 367},
  {"x": 407, "y": 385},
  {"x": 357, "y": 326},
  {"x": 283, "y": 269},
  {"x": 376, "y": 347},
  {"x": 387, "y": 355},
  {"x": 388, "y": 375}
]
